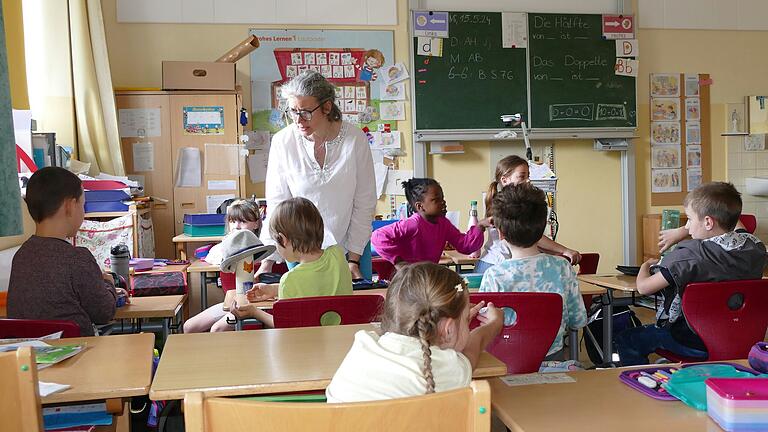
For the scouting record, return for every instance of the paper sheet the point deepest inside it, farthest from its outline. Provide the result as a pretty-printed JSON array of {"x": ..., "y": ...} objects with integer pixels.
[
  {"x": 212, "y": 202},
  {"x": 395, "y": 178},
  {"x": 135, "y": 122},
  {"x": 394, "y": 73},
  {"x": 222, "y": 159},
  {"x": 22, "y": 129},
  {"x": 392, "y": 110},
  {"x": 222, "y": 184},
  {"x": 188, "y": 167},
  {"x": 386, "y": 140},
  {"x": 380, "y": 171},
  {"x": 46, "y": 388},
  {"x": 394, "y": 91},
  {"x": 257, "y": 140},
  {"x": 537, "y": 378},
  {"x": 257, "y": 167},
  {"x": 143, "y": 156},
  {"x": 514, "y": 30},
  {"x": 429, "y": 46}
]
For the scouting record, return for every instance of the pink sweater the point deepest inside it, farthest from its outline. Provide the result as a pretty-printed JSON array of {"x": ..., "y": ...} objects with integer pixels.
[{"x": 415, "y": 239}]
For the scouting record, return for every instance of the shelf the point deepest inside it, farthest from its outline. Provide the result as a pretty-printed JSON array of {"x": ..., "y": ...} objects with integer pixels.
[{"x": 727, "y": 134}]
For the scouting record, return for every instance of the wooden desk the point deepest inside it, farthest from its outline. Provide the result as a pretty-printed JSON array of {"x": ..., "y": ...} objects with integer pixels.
[
  {"x": 165, "y": 307},
  {"x": 181, "y": 241},
  {"x": 459, "y": 259},
  {"x": 577, "y": 407},
  {"x": 263, "y": 361},
  {"x": 620, "y": 282},
  {"x": 202, "y": 267},
  {"x": 111, "y": 368}
]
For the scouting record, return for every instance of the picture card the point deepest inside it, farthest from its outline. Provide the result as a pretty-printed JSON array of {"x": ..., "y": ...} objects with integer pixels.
[
  {"x": 429, "y": 46},
  {"x": 394, "y": 73},
  {"x": 665, "y": 156},
  {"x": 693, "y": 156},
  {"x": 392, "y": 110},
  {"x": 693, "y": 133},
  {"x": 664, "y": 133},
  {"x": 627, "y": 48},
  {"x": 754, "y": 142},
  {"x": 665, "y": 109},
  {"x": 394, "y": 91},
  {"x": 626, "y": 67},
  {"x": 665, "y": 85},
  {"x": 665, "y": 180},
  {"x": 692, "y": 109},
  {"x": 691, "y": 85},
  {"x": 693, "y": 179}
]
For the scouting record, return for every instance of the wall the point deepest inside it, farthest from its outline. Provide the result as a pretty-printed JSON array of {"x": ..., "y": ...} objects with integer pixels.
[{"x": 743, "y": 164}]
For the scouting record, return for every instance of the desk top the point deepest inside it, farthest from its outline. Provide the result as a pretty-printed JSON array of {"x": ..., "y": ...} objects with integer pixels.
[
  {"x": 459, "y": 258},
  {"x": 530, "y": 407},
  {"x": 263, "y": 361},
  {"x": 185, "y": 238},
  {"x": 151, "y": 307},
  {"x": 200, "y": 266},
  {"x": 168, "y": 268},
  {"x": 109, "y": 367},
  {"x": 619, "y": 282}
]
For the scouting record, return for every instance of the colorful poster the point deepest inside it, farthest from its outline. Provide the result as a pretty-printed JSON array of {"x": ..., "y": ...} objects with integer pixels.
[
  {"x": 665, "y": 180},
  {"x": 691, "y": 85},
  {"x": 665, "y": 85},
  {"x": 693, "y": 133},
  {"x": 692, "y": 109},
  {"x": 347, "y": 58},
  {"x": 665, "y": 133},
  {"x": 203, "y": 120},
  {"x": 665, "y": 109},
  {"x": 693, "y": 156},
  {"x": 693, "y": 178},
  {"x": 665, "y": 156}
]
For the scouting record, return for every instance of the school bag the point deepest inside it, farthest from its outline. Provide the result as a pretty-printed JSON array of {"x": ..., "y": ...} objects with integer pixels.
[
  {"x": 623, "y": 318},
  {"x": 155, "y": 284}
]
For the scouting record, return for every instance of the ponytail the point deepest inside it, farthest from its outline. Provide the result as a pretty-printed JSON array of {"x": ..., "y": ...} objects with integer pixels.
[{"x": 492, "y": 189}]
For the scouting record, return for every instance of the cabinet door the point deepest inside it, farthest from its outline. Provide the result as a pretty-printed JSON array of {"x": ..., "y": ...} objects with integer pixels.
[
  {"x": 158, "y": 182},
  {"x": 194, "y": 199}
]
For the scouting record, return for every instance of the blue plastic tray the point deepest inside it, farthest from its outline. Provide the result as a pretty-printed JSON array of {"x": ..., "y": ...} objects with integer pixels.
[
  {"x": 201, "y": 219},
  {"x": 106, "y": 195},
  {"x": 105, "y": 206}
]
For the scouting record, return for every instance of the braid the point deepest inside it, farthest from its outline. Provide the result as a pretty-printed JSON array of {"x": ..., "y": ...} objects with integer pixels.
[
  {"x": 415, "y": 189},
  {"x": 424, "y": 327}
]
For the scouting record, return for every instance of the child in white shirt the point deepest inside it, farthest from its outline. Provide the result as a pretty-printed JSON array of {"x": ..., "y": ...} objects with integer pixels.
[{"x": 425, "y": 344}]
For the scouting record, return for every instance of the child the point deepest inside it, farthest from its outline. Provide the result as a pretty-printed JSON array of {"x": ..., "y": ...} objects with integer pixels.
[
  {"x": 297, "y": 227},
  {"x": 715, "y": 253},
  {"x": 520, "y": 214},
  {"x": 51, "y": 279},
  {"x": 422, "y": 236},
  {"x": 425, "y": 344},
  {"x": 241, "y": 215},
  {"x": 512, "y": 170}
]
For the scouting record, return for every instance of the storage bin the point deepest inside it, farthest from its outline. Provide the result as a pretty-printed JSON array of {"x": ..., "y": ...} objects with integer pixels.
[
  {"x": 106, "y": 195},
  {"x": 203, "y": 230},
  {"x": 738, "y": 404},
  {"x": 204, "y": 219},
  {"x": 103, "y": 185},
  {"x": 105, "y": 206}
]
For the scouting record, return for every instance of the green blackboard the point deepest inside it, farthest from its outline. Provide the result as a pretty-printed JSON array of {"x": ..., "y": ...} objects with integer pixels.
[
  {"x": 573, "y": 82},
  {"x": 568, "y": 68},
  {"x": 474, "y": 81}
]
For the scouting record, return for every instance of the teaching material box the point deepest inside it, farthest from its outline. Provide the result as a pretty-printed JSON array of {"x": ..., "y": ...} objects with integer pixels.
[{"x": 182, "y": 75}]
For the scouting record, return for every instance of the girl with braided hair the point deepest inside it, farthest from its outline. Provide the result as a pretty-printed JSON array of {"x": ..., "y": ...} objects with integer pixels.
[
  {"x": 424, "y": 345},
  {"x": 422, "y": 236}
]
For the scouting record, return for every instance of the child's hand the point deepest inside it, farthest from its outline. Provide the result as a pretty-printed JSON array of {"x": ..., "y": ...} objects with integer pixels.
[
  {"x": 573, "y": 256},
  {"x": 475, "y": 309},
  {"x": 261, "y": 292},
  {"x": 645, "y": 268},
  {"x": 123, "y": 293},
  {"x": 485, "y": 223},
  {"x": 670, "y": 237},
  {"x": 492, "y": 316}
]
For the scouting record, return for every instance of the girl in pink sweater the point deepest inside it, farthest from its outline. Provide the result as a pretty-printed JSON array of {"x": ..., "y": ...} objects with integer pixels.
[{"x": 422, "y": 236}]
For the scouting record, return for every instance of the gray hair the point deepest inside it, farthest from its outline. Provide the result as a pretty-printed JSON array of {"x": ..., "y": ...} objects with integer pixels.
[{"x": 311, "y": 83}]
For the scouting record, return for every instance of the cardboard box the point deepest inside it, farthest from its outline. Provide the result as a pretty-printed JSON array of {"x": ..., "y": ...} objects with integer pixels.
[{"x": 180, "y": 75}]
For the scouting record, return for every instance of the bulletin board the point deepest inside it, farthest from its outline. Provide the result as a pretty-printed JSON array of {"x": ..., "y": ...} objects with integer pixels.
[
  {"x": 339, "y": 55},
  {"x": 680, "y": 150}
]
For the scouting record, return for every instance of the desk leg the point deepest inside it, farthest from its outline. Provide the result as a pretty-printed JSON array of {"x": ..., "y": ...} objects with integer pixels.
[
  {"x": 181, "y": 248},
  {"x": 166, "y": 328},
  {"x": 573, "y": 342},
  {"x": 607, "y": 327},
  {"x": 203, "y": 291}
]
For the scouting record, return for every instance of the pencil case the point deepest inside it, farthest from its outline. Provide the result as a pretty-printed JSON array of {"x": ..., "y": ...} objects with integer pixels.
[{"x": 758, "y": 357}]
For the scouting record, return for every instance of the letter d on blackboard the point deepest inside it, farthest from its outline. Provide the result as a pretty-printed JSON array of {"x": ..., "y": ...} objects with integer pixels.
[{"x": 427, "y": 45}]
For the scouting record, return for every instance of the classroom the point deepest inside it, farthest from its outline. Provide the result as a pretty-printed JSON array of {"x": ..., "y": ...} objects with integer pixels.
[{"x": 391, "y": 214}]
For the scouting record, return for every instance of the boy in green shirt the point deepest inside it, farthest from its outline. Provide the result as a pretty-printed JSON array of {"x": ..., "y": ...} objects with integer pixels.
[{"x": 297, "y": 227}]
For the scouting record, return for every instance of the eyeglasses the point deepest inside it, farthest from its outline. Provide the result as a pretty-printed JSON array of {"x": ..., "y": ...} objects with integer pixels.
[{"x": 305, "y": 115}]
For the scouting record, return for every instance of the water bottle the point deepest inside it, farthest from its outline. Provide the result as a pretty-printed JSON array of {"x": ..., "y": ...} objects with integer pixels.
[
  {"x": 119, "y": 256},
  {"x": 473, "y": 222}
]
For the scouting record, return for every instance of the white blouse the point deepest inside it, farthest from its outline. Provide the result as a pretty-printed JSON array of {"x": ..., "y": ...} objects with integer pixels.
[
  {"x": 495, "y": 250},
  {"x": 344, "y": 189}
]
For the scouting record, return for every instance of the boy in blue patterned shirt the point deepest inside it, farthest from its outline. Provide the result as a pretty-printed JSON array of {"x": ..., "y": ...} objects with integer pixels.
[{"x": 520, "y": 214}]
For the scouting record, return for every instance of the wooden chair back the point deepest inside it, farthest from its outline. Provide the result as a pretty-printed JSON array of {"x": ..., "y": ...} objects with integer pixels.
[
  {"x": 20, "y": 408},
  {"x": 467, "y": 409}
]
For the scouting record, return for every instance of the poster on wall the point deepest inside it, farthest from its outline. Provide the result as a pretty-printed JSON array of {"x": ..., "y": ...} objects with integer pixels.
[
  {"x": 665, "y": 109},
  {"x": 665, "y": 180},
  {"x": 665, "y": 85},
  {"x": 203, "y": 120},
  {"x": 665, "y": 133},
  {"x": 350, "y": 59}
]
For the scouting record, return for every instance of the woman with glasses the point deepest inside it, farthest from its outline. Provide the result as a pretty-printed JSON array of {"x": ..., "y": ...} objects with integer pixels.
[{"x": 326, "y": 160}]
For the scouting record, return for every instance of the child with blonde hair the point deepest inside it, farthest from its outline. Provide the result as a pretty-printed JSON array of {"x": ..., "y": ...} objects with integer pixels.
[
  {"x": 512, "y": 170},
  {"x": 424, "y": 345}
]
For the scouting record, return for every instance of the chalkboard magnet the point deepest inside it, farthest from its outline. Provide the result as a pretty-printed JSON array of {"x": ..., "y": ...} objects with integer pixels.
[
  {"x": 421, "y": 70},
  {"x": 422, "y": 81},
  {"x": 426, "y": 61}
]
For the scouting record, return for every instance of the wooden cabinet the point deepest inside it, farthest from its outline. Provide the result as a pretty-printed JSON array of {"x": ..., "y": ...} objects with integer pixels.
[
  {"x": 168, "y": 143},
  {"x": 651, "y": 229}
]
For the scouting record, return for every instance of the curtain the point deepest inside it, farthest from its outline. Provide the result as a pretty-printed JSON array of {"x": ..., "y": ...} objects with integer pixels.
[
  {"x": 10, "y": 196},
  {"x": 95, "y": 112}
]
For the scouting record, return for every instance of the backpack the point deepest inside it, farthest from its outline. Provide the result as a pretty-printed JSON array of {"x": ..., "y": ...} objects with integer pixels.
[{"x": 623, "y": 318}]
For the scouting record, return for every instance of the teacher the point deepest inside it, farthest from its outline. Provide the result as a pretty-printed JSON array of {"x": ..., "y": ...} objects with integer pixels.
[{"x": 326, "y": 160}]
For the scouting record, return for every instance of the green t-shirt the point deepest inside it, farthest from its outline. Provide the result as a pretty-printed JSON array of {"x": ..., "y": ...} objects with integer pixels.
[{"x": 328, "y": 275}]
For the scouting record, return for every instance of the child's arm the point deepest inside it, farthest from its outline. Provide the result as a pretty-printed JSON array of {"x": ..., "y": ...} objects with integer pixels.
[
  {"x": 491, "y": 323},
  {"x": 97, "y": 295},
  {"x": 261, "y": 292},
  {"x": 469, "y": 242},
  {"x": 548, "y": 245},
  {"x": 395, "y": 240},
  {"x": 648, "y": 284},
  {"x": 254, "y": 313},
  {"x": 670, "y": 237}
]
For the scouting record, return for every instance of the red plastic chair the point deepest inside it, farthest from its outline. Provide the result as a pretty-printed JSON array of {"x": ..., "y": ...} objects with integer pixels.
[
  {"x": 524, "y": 344},
  {"x": 309, "y": 311},
  {"x": 383, "y": 268},
  {"x": 280, "y": 268},
  {"x": 588, "y": 265},
  {"x": 749, "y": 221},
  {"x": 28, "y": 328},
  {"x": 729, "y": 317}
]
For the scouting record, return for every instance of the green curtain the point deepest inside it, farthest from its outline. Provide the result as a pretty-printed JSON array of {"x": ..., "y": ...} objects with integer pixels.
[{"x": 10, "y": 197}]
